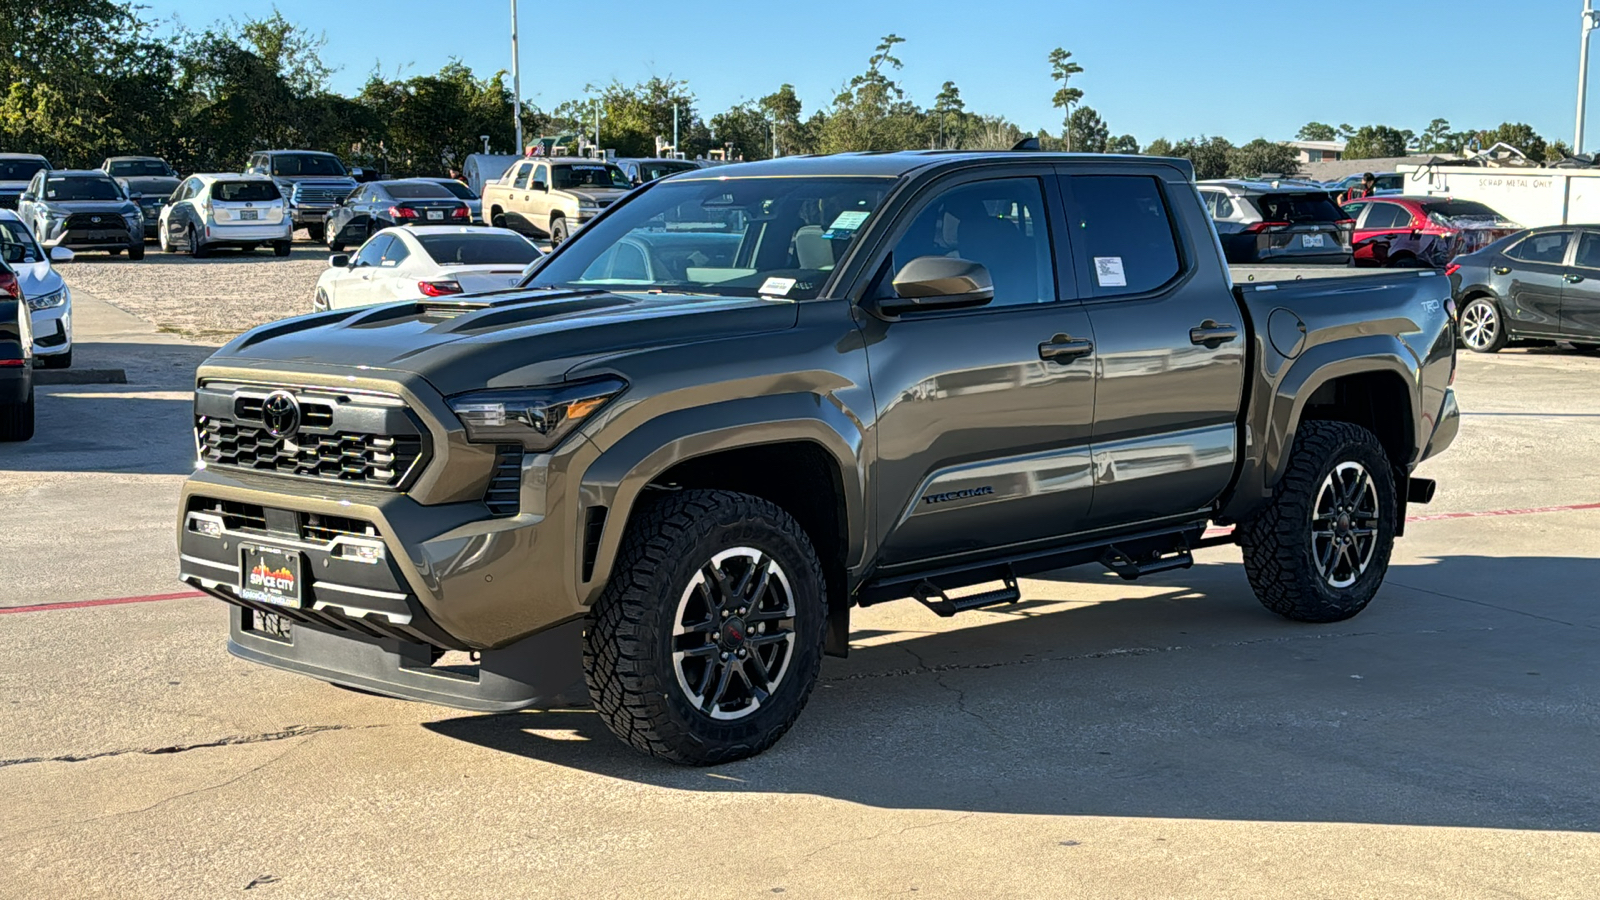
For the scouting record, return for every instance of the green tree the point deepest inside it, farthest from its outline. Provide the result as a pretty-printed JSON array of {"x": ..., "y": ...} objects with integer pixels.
[
  {"x": 1376, "y": 142},
  {"x": 1316, "y": 131},
  {"x": 1262, "y": 157},
  {"x": 871, "y": 111},
  {"x": 746, "y": 128},
  {"x": 1062, "y": 68},
  {"x": 1159, "y": 147},
  {"x": 1518, "y": 135},
  {"x": 1125, "y": 143},
  {"x": 1087, "y": 132},
  {"x": 1436, "y": 138},
  {"x": 950, "y": 116},
  {"x": 1208, "y": 154},
  {"x": 1556, "y": 151},
  {"x": 782, "y": 107}
]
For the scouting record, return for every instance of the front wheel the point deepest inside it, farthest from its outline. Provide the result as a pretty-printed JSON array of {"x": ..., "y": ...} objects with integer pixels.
[
  {"x": 317, "y": 233},
  {"x": 1483, "y": 329},
  {"x": 708, "y": 638},
  {"x": 558, "y": 231},
  {"x": 163, "y": 241},
  {"x": 1319, "y": 550}
]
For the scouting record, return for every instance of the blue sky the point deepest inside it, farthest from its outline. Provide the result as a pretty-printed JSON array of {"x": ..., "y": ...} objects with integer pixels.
[{"x": 1153, "y": 68}]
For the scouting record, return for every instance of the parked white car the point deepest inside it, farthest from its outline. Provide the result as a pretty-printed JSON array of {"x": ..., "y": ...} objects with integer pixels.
[
  {"x": 225, "y": 210},
  {"x": 43, "y": 288},
  {"x": 424, "y": 261}
]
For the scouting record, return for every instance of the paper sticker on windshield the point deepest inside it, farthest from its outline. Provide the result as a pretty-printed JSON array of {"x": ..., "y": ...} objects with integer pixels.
[
  {"x": 776, "y": 287},
  {"x": 845, "y": 225},
  {"x": 1108, "y": 271}
]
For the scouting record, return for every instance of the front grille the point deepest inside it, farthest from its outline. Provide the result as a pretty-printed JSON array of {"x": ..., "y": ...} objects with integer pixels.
[
  {"x": 307, "y": 193},
  {"x": 341, "y": 456},
  {"x": 87, "y": 222},
  {"x": 321, "y": 529},
  {"x": 504, "y": 496}
]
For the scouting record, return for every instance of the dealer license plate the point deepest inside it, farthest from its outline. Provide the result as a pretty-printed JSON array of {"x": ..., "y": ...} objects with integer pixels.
[
  {"x": 435, "y": 214},
  {"x": 249, "y": 214},
  {"x": 270, "y": 575},
  {"x": 1311, "y": 240}
]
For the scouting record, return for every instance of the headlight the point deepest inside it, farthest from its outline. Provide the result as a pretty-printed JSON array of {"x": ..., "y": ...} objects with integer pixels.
[
  {"x": 537, "y": 418},
  {"x": 48, "y": 301},
  {"x": 588, "y": 204}
]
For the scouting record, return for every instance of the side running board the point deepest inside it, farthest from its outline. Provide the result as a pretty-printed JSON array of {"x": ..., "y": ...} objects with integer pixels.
[
  {"x": 934, "y": 598},
  {"x": 1129, "y": 568}
]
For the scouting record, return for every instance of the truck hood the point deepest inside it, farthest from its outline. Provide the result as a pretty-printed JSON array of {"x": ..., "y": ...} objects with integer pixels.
[
  {"x": 149, "y": 185},
  {"x": 596, "y": 195},
  {"x": 108, "y": 207},
  {"x": 508, "y": 339},
  {"x": 13, "y": 187}
]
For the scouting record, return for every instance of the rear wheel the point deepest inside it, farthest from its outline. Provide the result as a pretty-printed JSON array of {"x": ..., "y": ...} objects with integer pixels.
[
  {"x": 1319, "y": 550},
  {"x": 1586, "y": 348},
  {"x": 707, "y": 641},
  {"x": 497, "y": 218},
  {"x": 1483, "y": 329},
  {"x": 281, "y": 248},
  {"x": 16, "y": 420},
  {"x": 317, "y": 233},
  {"x": 196, "y": 249}
]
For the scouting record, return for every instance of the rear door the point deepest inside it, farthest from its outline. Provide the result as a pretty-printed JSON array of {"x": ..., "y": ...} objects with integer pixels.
[
  {"x": 1169, "y": 345},
  {"x": 984, "y": 414},
  {"x": 1536, "y": 272},
  {"x": 1580, "y": 295}
]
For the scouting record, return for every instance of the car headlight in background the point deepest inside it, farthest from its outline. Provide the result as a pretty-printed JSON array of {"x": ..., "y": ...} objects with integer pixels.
[
  {"x": 48, "y": 301},
  {"x": 588, "y": 205},
  {"x": 537, "y": 418}
]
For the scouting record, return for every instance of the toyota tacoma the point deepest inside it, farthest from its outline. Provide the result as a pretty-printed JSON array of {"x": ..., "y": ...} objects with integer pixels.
[{"x": 744, "y": 401}]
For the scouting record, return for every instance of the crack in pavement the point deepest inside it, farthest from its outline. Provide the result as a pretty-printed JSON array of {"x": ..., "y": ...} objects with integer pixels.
[
  {"x": 292, "y": 731},
  {"x": 887, "y": 832}
]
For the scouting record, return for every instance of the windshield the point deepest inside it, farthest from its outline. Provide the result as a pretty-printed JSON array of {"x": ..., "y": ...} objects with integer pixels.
[
  {"x": 19, "y": 169},
  {"x": 478, "y": 249},
  {"x": 728, "y": 237},
  {"x": 140, "y": 168},
  {"x": 81, "y": 189},
  {"x": 652, "y": 171},
  {"x": 1300, "y": 208},
  {"x": 578, "y": 175},
  {"x": 461, "y": 191},
  {"x": 306, "y": 164},
  {"x": 245, "y": 191},
  {"x": 17, "y": 244},
  {"x": 416, "y": 190}
]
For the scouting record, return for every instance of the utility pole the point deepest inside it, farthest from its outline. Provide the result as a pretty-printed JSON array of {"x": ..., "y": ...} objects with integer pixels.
[
  {"x": 1591, "y": 20},
  {"x": 597, "y": 151},
  {"x": 516, "y": 80},
  {"x": 676, "y": 154}
]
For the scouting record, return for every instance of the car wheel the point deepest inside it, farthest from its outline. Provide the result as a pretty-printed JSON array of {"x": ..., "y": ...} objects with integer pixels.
[
  {"x": 1319, "y": 550},
  {"x": 708, "y": 638},
  {"x": 113, "y": 252},
  {"x": 497, "y": 219},
  {"x": 281, "y": 248},
  {"x": 319, "y": 303},
  {"x": 1483, "y": 329},
  {"x": 317, "y": 233},
  {"x": 56, "y": 361},
  {"x": 196, "y": 249},
  {"x": 558, "y": 231},
  {"x": 162, "y": 240},
  {"x": 136, "y": 252},
  {"x": 336, "y": 246},
  {"x": 16, "y": 420}
]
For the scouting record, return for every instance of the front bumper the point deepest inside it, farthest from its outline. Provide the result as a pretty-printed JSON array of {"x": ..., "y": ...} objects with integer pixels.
[
  {"x": 91, "y": 240},
  {"x": 304, "y": 214},
  {"x": 52, "y": 331}
]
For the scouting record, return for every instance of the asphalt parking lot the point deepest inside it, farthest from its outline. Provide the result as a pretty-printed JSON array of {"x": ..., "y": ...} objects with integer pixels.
[{"x": 1164, "y": 739}]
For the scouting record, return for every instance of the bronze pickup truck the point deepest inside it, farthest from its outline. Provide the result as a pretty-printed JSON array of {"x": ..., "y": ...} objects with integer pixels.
[
  {"x": 742, "y": 402},
  {"x": 553, "y": 197}
]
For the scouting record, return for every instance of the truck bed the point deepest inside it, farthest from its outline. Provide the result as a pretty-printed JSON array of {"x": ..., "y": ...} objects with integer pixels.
[{"x": 1249, "y": 274}]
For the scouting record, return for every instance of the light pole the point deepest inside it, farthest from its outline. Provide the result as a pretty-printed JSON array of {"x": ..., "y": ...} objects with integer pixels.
[
  {"x": 516, "y": 79},
  {"x": 1591, "y": 21}
]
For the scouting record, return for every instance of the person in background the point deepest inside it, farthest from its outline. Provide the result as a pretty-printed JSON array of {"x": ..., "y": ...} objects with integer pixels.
[
  {"x": 1369, "y": 186},
  {"x": 455, "y": 175}
]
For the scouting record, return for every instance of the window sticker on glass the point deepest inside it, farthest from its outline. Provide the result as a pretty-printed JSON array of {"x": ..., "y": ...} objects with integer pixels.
[
  {"x": 776, "y": 287},
  {"x": 845, "y": 225},
  {"x": 1108, "y": 272}
]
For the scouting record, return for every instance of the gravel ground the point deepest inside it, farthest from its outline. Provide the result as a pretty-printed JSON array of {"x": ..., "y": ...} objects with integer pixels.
[{"x": 210, "y": 299}]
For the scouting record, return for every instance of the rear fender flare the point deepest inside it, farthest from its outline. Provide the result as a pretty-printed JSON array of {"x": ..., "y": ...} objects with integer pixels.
[{"x": 617, "y": 478}]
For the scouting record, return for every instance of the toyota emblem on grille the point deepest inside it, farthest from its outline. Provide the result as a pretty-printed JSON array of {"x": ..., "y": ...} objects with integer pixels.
[
  {"x": 280, "y": 412},
  {"x": 95, "y": 219}
]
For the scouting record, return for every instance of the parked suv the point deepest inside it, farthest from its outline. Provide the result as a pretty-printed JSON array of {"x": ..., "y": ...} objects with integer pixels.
[
  {"x": 83, "y": 210},
  {"x": 1411, "y": 232},
  {"x": 848, "y": 379},
  {"x": 312, "y": 182},
  {"x": 1277, "y": 222},
  {"x": 16, "y": 170},
  {"x": 222, "y": 210},
  {"x": 1541, "y": 284},
  {"x": 553, "y": 197},
  {"x": 148, "y": 176}
]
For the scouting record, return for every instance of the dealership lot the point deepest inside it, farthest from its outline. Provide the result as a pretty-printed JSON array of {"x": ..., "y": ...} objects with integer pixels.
[{"x": 1169, "y": 738}]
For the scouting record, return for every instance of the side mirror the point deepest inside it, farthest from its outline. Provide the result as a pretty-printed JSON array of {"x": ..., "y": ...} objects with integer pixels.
[
  {"x": 135, "y": 197},
  {"x": 28, "y": 197},
  {"x": 937, "y": 282},
  {"x": 61, "y": 254},
  {"x": 339, "y": 261},
  {"x": 539, "y": 186},
  {"x": 358, "y": 173}
]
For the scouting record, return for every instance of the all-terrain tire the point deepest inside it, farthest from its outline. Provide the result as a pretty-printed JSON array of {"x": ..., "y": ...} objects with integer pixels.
[
  {"x": 16, "y": 420},
  {"x": 1278, "y": 543},
  {"x": 636, "y": 684},
  {"x": 558, "y": 231}
]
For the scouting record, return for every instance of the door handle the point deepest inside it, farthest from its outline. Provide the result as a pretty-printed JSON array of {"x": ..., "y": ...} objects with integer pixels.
[
  {"x": 1574, "y": 279},
  {"x": 1502, "y": 270},
  {"x": 1064, "y": 348},
  {"x": 1211, "y": 335}
]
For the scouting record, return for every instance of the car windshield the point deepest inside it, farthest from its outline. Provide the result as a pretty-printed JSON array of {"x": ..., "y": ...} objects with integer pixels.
[
  {"x": 581, "y": 175},
  {"x": 478, "y": 249},
  {"x": 730, "y": 237},
  {"x": 16, "y": 243},
  {"x": 417, "y": 190},
  {"x": 461, "y": 191},
  {"x": 1300, "y": 208},
  {"x": 69, "y": 188},
  {"x": 19, "y": 169},
  {"x": 140, "y": 168},
  {"x": 306, "y": 164},
  {"x": 245, "y": 191}
]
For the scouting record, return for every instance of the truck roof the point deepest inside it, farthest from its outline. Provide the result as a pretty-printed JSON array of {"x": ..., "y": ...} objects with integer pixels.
[{"x": 904, "y": 162}]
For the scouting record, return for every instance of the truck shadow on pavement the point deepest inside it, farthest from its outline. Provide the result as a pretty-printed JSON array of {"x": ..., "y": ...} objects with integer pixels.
[{"x": 1465, "y": 696}]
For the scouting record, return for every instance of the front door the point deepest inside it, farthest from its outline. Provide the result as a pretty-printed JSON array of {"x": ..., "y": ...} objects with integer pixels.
[
  {"x": 984, "y": 414},
  {"x": 1536, "y": 276},
  {"x": 1580, "y": 295},
  {"x": 1169, "y": 345},
  {"x": 354, "y": 287}
]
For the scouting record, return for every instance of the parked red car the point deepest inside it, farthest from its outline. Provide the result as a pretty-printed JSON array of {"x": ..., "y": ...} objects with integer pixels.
[{"x": 1418, "y": 232}]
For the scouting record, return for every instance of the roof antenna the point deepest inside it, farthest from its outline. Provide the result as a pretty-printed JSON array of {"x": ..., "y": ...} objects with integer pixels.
[{"x": 1028, "y": 144}]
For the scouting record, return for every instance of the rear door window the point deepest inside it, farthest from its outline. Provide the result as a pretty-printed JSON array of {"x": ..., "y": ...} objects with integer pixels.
[
  {"x": 1549, "y": 247},
  {"x": 1122, "y": 230}
]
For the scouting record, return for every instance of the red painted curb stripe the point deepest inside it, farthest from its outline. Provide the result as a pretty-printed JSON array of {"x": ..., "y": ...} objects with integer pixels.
[{"x": 84, "y": 604}]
